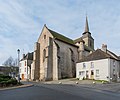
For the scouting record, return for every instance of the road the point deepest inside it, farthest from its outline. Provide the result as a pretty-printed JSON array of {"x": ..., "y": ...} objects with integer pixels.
[{"x": 57, "y": 92}]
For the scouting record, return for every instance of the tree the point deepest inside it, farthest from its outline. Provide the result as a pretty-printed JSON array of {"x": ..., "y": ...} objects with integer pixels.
[{"x": 10, "y": 62}]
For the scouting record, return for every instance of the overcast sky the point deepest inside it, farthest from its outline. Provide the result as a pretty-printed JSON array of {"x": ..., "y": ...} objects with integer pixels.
[{"x": 21, "y": 22}]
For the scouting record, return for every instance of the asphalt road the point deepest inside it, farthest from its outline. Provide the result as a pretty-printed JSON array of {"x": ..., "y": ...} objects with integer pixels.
[{"x": 57, "y": 92}]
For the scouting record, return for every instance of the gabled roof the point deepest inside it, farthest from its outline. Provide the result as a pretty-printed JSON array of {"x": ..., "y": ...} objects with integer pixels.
[
  {"x": 97, "y": 55},
  {"x": 112, "y": 54},
  {"x": 61, "y": 37}
]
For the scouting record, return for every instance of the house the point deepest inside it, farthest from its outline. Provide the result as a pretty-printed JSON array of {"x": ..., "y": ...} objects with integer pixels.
[
  {"x": 55, "y": 55},
  {"x": 25, "y": 66},
  {"x": 102, "y": 64}
]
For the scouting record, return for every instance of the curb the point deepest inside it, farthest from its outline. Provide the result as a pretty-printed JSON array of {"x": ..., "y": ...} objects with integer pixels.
[{"x": 16, "y": 87}]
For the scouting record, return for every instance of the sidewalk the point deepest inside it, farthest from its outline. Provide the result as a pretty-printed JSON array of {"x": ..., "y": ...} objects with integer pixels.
[{"x": 71, "y": 81}]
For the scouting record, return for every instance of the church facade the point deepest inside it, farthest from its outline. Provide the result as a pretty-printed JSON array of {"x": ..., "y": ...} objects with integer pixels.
[{"x": 55, "y": 55}]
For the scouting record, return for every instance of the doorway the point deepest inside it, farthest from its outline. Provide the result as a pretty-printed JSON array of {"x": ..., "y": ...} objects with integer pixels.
[
  {"x": 22, "y": 76},
  {"x": 92, "y": 74}
]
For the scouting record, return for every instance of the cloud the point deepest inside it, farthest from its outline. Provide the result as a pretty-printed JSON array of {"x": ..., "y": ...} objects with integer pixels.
[{"x": 21, "y": 22}]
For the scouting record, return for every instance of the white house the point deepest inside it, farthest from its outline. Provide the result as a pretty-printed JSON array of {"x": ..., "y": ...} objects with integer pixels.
[
  {"x": 102, "y": 64},
  {"x": 25, "y": 66}
]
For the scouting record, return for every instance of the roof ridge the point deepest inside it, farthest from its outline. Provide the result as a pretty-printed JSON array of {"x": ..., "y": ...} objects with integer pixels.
[
  {"x": 61, "y": 37},
  {"x": 96, "y": 55}
]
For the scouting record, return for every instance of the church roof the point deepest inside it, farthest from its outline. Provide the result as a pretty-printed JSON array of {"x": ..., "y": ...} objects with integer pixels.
[
  {"x": 88, "y": 48},
  {"x": 61, "y": 37},
  {"x": 97, "y": 55},
  {"x": 86, "y": 27},
  {"x": 79, "y": 40}
]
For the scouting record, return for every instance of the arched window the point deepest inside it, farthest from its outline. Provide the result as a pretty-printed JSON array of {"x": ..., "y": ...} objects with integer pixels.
[
  {"x": 44, "y": 55},
  {"x": 72, "y": 54}
]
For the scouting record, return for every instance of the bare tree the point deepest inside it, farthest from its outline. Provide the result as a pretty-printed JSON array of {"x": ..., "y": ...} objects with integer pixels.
[{"x": 10, "y": 62}]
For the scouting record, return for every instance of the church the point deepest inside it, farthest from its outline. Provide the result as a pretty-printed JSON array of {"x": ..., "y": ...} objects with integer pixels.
[{"x": 55, "y": 55}]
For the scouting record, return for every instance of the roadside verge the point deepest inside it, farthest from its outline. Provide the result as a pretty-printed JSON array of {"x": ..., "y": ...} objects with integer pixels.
[{"x": 15, "y": 87}]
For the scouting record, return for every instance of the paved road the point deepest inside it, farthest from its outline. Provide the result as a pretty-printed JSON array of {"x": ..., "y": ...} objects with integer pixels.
[
  {"x": 57, "y": 92},
  {"x": 36, "y": 93}
]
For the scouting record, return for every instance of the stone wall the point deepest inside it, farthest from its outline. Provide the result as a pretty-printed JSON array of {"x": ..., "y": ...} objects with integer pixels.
[{"x": 68, "y": 56}]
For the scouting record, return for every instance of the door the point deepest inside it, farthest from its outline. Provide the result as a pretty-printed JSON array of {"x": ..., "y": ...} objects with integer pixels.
[
  {"x": 92, "y": 74},
  {"x": 22, "y": 76},
  {"x": 87, "y": 76}
]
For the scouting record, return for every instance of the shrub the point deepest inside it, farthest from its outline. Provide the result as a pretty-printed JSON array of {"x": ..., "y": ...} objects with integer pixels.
[{"x": 7, "y": 81}]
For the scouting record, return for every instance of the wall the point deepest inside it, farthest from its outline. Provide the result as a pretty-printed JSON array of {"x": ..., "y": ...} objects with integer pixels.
[
  {"x": 66, "y": 64},
  {"x": 114, "y": 69},
  {"x": 23, "y": 69},
  {"x": 45, "y": 66},
  {"x": 101, "y": 65}
]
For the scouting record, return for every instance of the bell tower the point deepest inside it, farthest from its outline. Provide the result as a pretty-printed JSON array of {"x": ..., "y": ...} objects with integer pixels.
[{"x": 88, "y": 39}]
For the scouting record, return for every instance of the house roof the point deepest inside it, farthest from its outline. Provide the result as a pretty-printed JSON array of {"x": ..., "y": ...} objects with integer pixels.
[
  {"x": 97, "y": 55},
  {"x": 61, "y": 37},
  {"x": 28, "y": 56}
]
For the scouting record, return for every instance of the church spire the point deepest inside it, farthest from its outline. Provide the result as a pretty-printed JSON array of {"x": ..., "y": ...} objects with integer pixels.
[{"x": 86, "y": 25}]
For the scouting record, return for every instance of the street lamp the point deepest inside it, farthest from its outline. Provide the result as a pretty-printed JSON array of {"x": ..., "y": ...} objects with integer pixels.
[{"x": 18, "y": 65}]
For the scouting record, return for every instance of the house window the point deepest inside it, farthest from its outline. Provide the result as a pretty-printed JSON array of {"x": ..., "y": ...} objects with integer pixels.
[
  {"x": 20, "y": 65},
  {"x": 97, "y": 73},
  {"x": 92, "y": 65},
  {"x": 81, "y": 72},
  {"x": 44, "y": 36},
  {"x": 84, "y": 65},
  {"x": 25, "y": 63},
  {"x": 25, "y": 69},
  {"x": 44, "y": 55}
]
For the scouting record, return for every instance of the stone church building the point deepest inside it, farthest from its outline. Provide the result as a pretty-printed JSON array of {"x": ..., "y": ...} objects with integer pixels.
[{"x": 55, "y": 55}]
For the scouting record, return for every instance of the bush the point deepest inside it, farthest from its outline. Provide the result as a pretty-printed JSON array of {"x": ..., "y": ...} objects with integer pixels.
[{"x": 7, "y": 81}]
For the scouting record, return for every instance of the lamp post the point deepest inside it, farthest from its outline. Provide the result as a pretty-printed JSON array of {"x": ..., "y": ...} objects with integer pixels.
[{"x": 18, "y": 51}]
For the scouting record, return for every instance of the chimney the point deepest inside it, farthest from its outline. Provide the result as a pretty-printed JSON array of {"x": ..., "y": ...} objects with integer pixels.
[
  {"x": 23, "y": 55},
  {"x": 104, "y": 47}
]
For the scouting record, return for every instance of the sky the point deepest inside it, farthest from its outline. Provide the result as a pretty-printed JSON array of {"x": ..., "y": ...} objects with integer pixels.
[{"x": 21, "y": 22}]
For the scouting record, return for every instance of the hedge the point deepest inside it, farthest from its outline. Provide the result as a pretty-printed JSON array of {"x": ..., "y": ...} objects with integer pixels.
[{"x": 7, "y": 81}]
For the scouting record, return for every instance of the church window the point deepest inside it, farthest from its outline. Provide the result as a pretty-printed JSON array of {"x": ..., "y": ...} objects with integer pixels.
[
  {"x": 72, "y": 54},
  {"x": 44, "y": 55},
  {"x": 44, "y": 36}
]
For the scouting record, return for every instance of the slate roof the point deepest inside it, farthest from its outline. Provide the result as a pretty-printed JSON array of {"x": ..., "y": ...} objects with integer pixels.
[
  {"x": 28, "y": 56},
  {"x": 88, "y": 48},
  {"x": 79, "y": 40},
  {"x": 61, "y": 37},
  {"x": 97, "y": 55}
]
